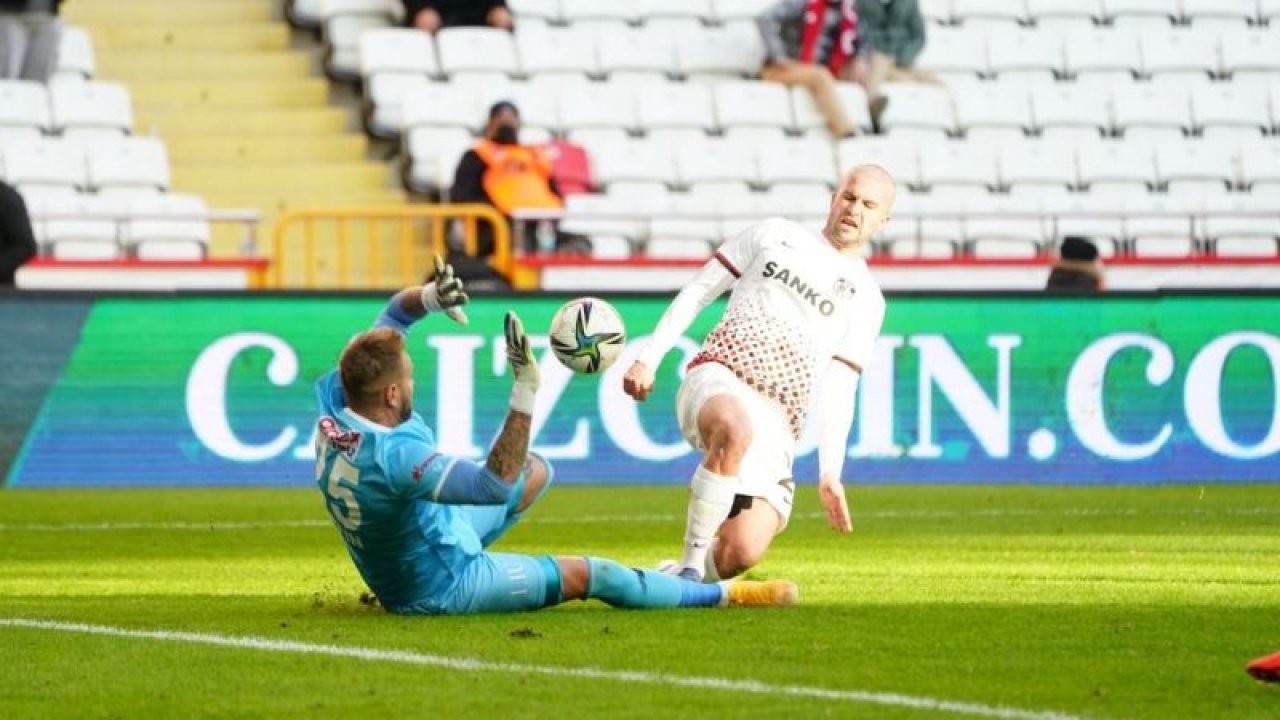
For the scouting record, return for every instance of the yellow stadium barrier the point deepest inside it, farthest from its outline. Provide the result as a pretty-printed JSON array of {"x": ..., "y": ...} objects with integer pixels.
[{"x": 378, "y": 247}]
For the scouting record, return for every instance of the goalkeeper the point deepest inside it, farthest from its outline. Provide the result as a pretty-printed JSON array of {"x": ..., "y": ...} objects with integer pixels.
[{"x": 417, "y": 522}]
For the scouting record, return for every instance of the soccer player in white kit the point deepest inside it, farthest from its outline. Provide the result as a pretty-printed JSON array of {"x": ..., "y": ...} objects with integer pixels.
[{"x": 804, "y": 308}]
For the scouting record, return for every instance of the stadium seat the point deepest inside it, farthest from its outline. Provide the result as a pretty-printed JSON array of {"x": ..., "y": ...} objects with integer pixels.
[
  {"x": 397, "y": 50},
  {"x": 1172, "y": 235},
  {"x": 635, "y": 51},
  {"x": 1065, "y": 15},
  {"x": 608, "y": 215},
  {"x": 955, "y": 52},
  {"x": 1096, "y": 215},
  {"x": 1110, "y": 164},
  {"x": 688, "y": 228},
  {"x": 734, "y": 50},
  {"x": 752, "y": 104},
  {"x": 715, "y": 161},
  {"x": 440, "y": 105},
  {"x": 992, "y": 109},
  {"x": 1229, "y": 110},
  {"x": 90, "y": 105},
  {"x": 650, "y": 10},
  {"x": 992, "y": 237},
  {"x": 922, "y": 111},
  {"x": 540, "y": 10},
  {"x": 899, "y": 156},
  {"x": 941, "y": 236},
  {"x": 1190, "y": 52},
  {"x": 167, "y": 227},
  {"x": 1035, "y": 53},
  {"x": 1215, "y": 14},
  {"x": 1109, "y": 52},
  {"x": 597, "y": 105},
  {"x": 305, "y": 13},
  {"x": 579, "y": 11},
  {"x": 556, "y": 50},
  {"x": 476, "y": 49},
  {"x": 342, "y": 42},
  {"x": 600, "y": 140},
  {"x": 1260, "y": 164},
  {"x": 129, "y": 163},
  {"x": 1206, "y": 164},
  {"x": 24, "y": 104},
  {"x": 1063, "y": 110},
  {"x": 633, "y": 161},
  {"x": 385, "y": 97},
  {"x": 1269, "y": 11},
  {"x": 726, "y": 10},
  {"x": 83, "y": 227},
  {"x": 44, "y": 163},
  {"x": 1151, "y": 111},
  {"x": 75, "y": 55},
  {"x": 1142, "y": 14},
  {"x": 1037, "y": 162},
  {"x": 798, "y": 160},
  {"x": 1253, "y": 233},
  {"x": 956, "y": 162},
  {"x": 1251, "y": 51},
  {"x": 852, "y": 98},
  {"x": 1000, "y": 14},
  {"x": 675, "y": 105},
  {"x": 433, "y": 155}
]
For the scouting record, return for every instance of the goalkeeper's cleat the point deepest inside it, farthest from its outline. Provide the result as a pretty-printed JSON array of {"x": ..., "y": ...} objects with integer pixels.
[
  {"x": 762, "y": 593},
  {"x": 1266, "y": 669}
]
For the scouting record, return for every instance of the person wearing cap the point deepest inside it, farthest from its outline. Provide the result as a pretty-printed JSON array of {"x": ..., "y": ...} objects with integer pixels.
[
  {"x": 431, "y": 15},
  {"x": 1078, "y": 266},
  {"x": 501, "y": 172}
]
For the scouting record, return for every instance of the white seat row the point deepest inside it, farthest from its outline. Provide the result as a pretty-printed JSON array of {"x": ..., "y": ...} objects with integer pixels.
[
  {"x": 313, "y": 13},
  {"x": 64, "y": 107},
  {"x": 1154, "y": 13},
  {"x": 73, "y": 226},
  {"x": 403, "y": 102},
  {"x": 735, "y": 49},
  {"x": 127, "y": 165},
  {"x": 1045, "y": 53}
]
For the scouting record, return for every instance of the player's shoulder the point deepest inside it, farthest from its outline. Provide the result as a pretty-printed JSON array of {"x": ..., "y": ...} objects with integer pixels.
[
  {"x": 786, "y": 233},
  {"x": 866, "y": 287}
]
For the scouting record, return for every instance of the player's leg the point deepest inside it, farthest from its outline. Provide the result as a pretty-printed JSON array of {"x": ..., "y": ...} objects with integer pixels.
[
  {"x": 744, "y": 538},
  {"x": 763, "y": 507},
  {"x": 619, "y": 586},
  {"x": 725, "y": 431}
]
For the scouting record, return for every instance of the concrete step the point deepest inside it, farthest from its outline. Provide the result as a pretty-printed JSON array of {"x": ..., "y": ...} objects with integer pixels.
[
  {"x": 140, "y": 65},
  {"x": 196, "y": 148},
  {"x": 226, "y": 37},
  {"x": 238, "y": 123},
  {"x": 267, "y": 179},
  {"x": 101, "y": 13},
  {"x": 267, "y": 93}
]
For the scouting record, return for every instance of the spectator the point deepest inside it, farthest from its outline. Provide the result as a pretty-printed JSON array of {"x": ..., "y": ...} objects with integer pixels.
[
  {"x": 501, "y": 172},
  {"x": 17, "y": 242},
  {"x": 1078, "y": 267},
  {"x": 811, "y": 43},
  {"x": 30, "y": 32},
  {"x": 895, "y": 31},
  {"x": 431, "y": 15}
]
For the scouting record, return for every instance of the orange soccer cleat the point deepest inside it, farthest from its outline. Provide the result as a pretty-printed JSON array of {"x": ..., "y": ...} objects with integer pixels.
[{"x": 1266, "y": 669}]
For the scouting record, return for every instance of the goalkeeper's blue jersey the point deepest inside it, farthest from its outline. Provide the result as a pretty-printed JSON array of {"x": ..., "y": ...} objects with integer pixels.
[{"x": 379, "y": 485}]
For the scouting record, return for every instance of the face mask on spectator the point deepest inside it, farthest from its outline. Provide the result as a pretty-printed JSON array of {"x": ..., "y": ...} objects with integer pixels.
[{"x": 506, "y": 135}]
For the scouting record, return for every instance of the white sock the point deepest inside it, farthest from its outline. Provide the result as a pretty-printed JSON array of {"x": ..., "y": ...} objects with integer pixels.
[
  {"x": 710, "y": 500},
  {"x": 711, "y": 573}
]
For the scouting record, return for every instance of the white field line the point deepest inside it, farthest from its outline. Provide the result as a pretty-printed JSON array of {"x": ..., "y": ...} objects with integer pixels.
[
  {"x": 641, "y": 518},
  {"x": 463, "y": 664}
]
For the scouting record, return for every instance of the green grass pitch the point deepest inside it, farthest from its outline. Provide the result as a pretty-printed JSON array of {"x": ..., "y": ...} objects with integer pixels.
[{"x": 1012, "y": 602}]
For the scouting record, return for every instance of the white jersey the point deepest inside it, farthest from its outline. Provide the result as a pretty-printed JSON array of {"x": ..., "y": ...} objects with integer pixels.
[{"x": 797, "y": 304}]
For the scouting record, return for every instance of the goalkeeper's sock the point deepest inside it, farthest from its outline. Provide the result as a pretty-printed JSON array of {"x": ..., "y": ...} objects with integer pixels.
[
  {"x": 635, "y": 588},
  {"x": 710, "y": 500}
]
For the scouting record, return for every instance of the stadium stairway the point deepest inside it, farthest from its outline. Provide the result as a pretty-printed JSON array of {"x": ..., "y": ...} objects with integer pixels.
[{"x": 246, "y": 121}]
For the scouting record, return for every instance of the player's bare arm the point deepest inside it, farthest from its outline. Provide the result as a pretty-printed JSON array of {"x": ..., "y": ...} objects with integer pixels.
[
  {"x": 840, "y": 385},
  {"x": 511, "y": 449}
]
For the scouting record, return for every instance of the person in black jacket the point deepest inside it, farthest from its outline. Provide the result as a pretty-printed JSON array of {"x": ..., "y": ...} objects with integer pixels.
[
  {"x": 17, "y": 242},
  {"x": 30, "y": 33},
  {"x": 431, "y": 15},
  {"x": 1078, "y": 267}
]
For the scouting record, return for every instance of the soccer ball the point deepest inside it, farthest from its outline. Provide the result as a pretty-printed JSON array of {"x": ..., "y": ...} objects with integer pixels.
[{"x": 587, "y": 335}]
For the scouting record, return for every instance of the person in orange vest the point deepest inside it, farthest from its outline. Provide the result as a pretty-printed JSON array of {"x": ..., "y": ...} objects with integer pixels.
[{"x": 501, "y": 172}]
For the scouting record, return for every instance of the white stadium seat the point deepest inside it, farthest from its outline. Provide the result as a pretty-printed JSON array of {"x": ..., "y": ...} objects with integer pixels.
[
  {"x": 167, "y": 227},
  {"x": 950, "y": 52},
  {"x": 715, "y": 161},
  {"x": 1155, "y": 111},
  {"x": 649, "y": 10},
  {"x": 1250, "y": 51},
  {"x": 798, "y": 160},
  {"x": 733, "y": 50},
  {"x": 476, "y": 49},
  {"x": 1143, "y": 14},
  {"x": 433, "y": 156},
  {"x": 342, "y": 39},
  {"x": 899, "y": 156},
  {"x": 633, "y": 161},
  {"x": 1260, "y": 164},
  {"x": 397, "y": 50},
  {"x": 1252, "y": 233},
  {"x": 597, "y": 105},
  {"x": 619, "y": 216},
  {"x": 1111, "y": 164},
  {"x": 1219, "y": 13},
  {"x": 1065, "y": 14},
  {"x": 675, "y": 105},
  {"x": 1228, "y": 109},
  {"x": 91, "y": 105},
  {"x": 752, "y": 104},
  {"x": 1097, "y": 215},
  {"x": 1112, "y": 52},
  {"x": 543, "y": 10},
  {"x": 577, "y": 11},
  {"x": 852, "y": 98},
  {"x": 24, "y": 104},
  {"x": 1038, "y": 53},
  {"x": 984, "y": 107},
  {"x": 726, "y": 10},
  {"x": 440, "y": 105},
  {"x": 45, "y": 164},
  {"x": 75, "y": 55},
  {"x": 1037, "y": 162},
  {"x": 1170, "y": 235},
  {"x": 386, "y": 93},
  {"x": 919, "y": 110},
  {"x": 1269, "y": 11},
  {"x": 1204, "y": 164},
  {"x": 1004, "y": 237},
  {"x": 129, "y": 163},
  {"x": 956, "y": 162},
  {"x": 1179, "y": 51},
  {"x": 635, "y": 50},
  {"x": 1000, "y": 13},
  {"x": 556, "y": 50},
  {"x": 84, "y": 227}
]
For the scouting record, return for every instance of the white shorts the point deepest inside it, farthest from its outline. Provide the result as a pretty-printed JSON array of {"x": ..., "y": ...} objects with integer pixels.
[{"x": 765, "y": 471}]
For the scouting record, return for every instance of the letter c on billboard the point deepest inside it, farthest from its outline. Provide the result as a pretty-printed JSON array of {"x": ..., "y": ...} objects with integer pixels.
[
  {"x": 1086, "y": 388},
  {"x": 207, "y": 395}
]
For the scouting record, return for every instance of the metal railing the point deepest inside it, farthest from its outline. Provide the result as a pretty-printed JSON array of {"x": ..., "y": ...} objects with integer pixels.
[{"x": 392, "y": 244}]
